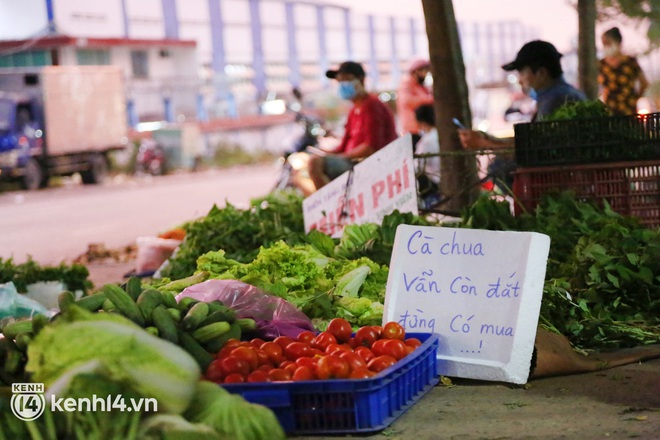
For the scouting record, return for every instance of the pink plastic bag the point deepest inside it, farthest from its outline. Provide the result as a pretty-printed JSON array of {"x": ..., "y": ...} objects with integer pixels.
[{"x": 274, "y": 316}]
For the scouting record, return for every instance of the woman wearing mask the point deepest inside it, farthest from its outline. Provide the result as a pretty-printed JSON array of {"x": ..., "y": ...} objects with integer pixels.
[
  {"x": 411, "y": 94},
  {"x": 369, "y": 127},
  {"x": 622, "y": 80}
]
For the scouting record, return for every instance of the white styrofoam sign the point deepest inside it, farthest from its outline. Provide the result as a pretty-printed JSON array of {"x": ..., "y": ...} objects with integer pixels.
[
  {"x": 479, "y": 290},
  {"x": 378, "y": 185}
]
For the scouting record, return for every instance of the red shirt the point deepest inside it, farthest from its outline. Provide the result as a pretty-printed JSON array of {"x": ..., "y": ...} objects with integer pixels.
[{"x": 370, "y": 122}]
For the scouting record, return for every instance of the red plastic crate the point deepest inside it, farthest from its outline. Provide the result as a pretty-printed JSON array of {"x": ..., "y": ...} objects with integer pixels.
[
  {"x": 631, "y": 188},
  {"x": 345, "y": 406}
]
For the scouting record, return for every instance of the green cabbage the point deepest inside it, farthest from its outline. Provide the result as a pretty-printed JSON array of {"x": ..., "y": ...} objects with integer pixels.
[
  {"x": 233, "y": 416},
  {"x": 113, "y": 347}
]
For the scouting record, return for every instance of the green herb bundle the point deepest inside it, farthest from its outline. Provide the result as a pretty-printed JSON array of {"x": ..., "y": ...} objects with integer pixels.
[{"x": 74, "y": 276}]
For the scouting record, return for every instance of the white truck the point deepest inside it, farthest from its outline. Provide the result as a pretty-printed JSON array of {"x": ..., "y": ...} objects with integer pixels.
[{"x": 60, "y": 120}]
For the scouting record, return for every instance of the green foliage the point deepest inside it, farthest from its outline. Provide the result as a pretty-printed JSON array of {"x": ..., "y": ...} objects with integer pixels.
[
  {"x": 240, "y": 233},
  {"x": 308, "y": 279},
  {"x": 579, "y": 110},
  {"x": 74, "y": 276},
  {"x": 602, "y": 284}
]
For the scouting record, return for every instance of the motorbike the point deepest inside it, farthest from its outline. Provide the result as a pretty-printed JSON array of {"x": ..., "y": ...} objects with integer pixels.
[
  {"x": 293, "y": 163},
  {"x": 150, "y": 158}
]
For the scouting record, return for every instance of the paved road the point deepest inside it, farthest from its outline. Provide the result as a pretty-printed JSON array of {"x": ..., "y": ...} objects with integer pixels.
[{"x": 57, "y": 224}]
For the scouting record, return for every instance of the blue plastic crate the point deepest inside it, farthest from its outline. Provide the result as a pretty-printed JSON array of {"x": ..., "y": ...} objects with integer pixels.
[{"x": 344, "y": 406}]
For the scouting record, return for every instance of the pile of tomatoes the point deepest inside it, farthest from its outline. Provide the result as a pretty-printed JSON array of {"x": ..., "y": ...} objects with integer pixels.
[{"x": 336, "y": 353}]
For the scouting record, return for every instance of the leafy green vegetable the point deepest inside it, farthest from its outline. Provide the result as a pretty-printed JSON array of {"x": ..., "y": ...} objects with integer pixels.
[
  {"x": 74, "y": 276},
  {"x": 240, "y": 233},
  {"x": 579, "y": 110},
  {"x": 231, "y": 415},
  {"x": 171, "y": 426},
  {"x": 602, "y": 286},
  {"x": 349, "y": 284},
  {"x": 113, "y": 347},
  {"x": 375, "y": 241},
  {"x": 302, "y": 275}
]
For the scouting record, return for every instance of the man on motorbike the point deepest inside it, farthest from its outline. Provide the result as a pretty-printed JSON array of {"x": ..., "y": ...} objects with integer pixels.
[{"x": 369, "y": 127}]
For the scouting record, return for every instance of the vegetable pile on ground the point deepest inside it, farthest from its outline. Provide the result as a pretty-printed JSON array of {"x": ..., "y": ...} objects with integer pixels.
[
  {"x": 74, "y": 277},
  {"x": 602, "y": 285},
  {"x": 240, "y": 233},
  {"x": 151, "y": 386}
]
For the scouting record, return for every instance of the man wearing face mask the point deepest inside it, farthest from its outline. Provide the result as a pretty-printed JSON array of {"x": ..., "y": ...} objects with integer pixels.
[
  {"x": 540, "y": 74},
  {"x": 370, "y": 126}
]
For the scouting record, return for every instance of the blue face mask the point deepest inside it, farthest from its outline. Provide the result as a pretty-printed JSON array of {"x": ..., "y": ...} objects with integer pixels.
[
  {"x": 533, "y": 94},
  {"x": 347, "y": 90}
]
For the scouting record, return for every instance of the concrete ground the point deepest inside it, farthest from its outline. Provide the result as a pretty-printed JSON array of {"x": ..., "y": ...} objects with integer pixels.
[{"x": 617, "y": 403}]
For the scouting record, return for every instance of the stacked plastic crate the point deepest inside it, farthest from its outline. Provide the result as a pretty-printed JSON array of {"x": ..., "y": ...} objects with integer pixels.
[{"x": 616, "y": 159}]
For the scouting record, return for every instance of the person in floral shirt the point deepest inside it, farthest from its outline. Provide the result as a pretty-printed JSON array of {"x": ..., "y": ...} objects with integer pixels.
[{"x": 621, "y": 78}]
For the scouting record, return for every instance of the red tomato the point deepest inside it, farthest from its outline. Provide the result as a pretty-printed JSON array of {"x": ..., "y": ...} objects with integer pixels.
[
  {"x": 393, "y": 330},
  {"x": 317, "y": 352},
  {"x": 365, "y": 353},
  {"x": 410, "y": 349},
  {"x": 352, "y": 343},
  {"x": 366, "y": 336},
  {"x": 340, "y": 329},
  {"x": 306, "y": 336},
  {"x": 323, "y": 339},
  {"x": 378, "y": 347},
  {"x": 248, "y": 354},
  {"x": 224, "y": 352},
  {"x": 265, "y": 367},
  {"x": 283, "y": 364},
  {"x": 361, "y": 373},
  {"x": 413, "y": 342},
  {"x": 234, "y": 378},
  {"x": 378, "y": 329},
  {"x": 274, "y": 351},
  {"x": 233, "y": 343},
  {"x": 258, "y": 376},
  {"x": 234, "y": 364},
  {"x": 353, "y": 360},
  {"x": 334, "y": 348},
  {"x": 214, "y": 371},
  {"x": 395, "y": 348},
  {"x": 257, "y": 342},
  {"x": 332, "y": 367},
  {"x": 306, "y": 362},
  {"x": 291, "y": 368},
  {"x": 380, "y": 363},
  {"x": 297, "y": 350},
  {"x": 303, "y": 373},
  {"x": 283, "y": 341},
  {"x": 263, "y": 357},
  {"x": 279, "y": 375}
]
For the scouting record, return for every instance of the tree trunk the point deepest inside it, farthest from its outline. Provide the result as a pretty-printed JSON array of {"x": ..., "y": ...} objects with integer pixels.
[
  {"x": 587, "y": 65},
  {"x": 458, "y": 172}
]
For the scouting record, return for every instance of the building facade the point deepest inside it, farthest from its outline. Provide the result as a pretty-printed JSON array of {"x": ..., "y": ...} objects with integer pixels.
[{"x": 198, "y": 59}]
